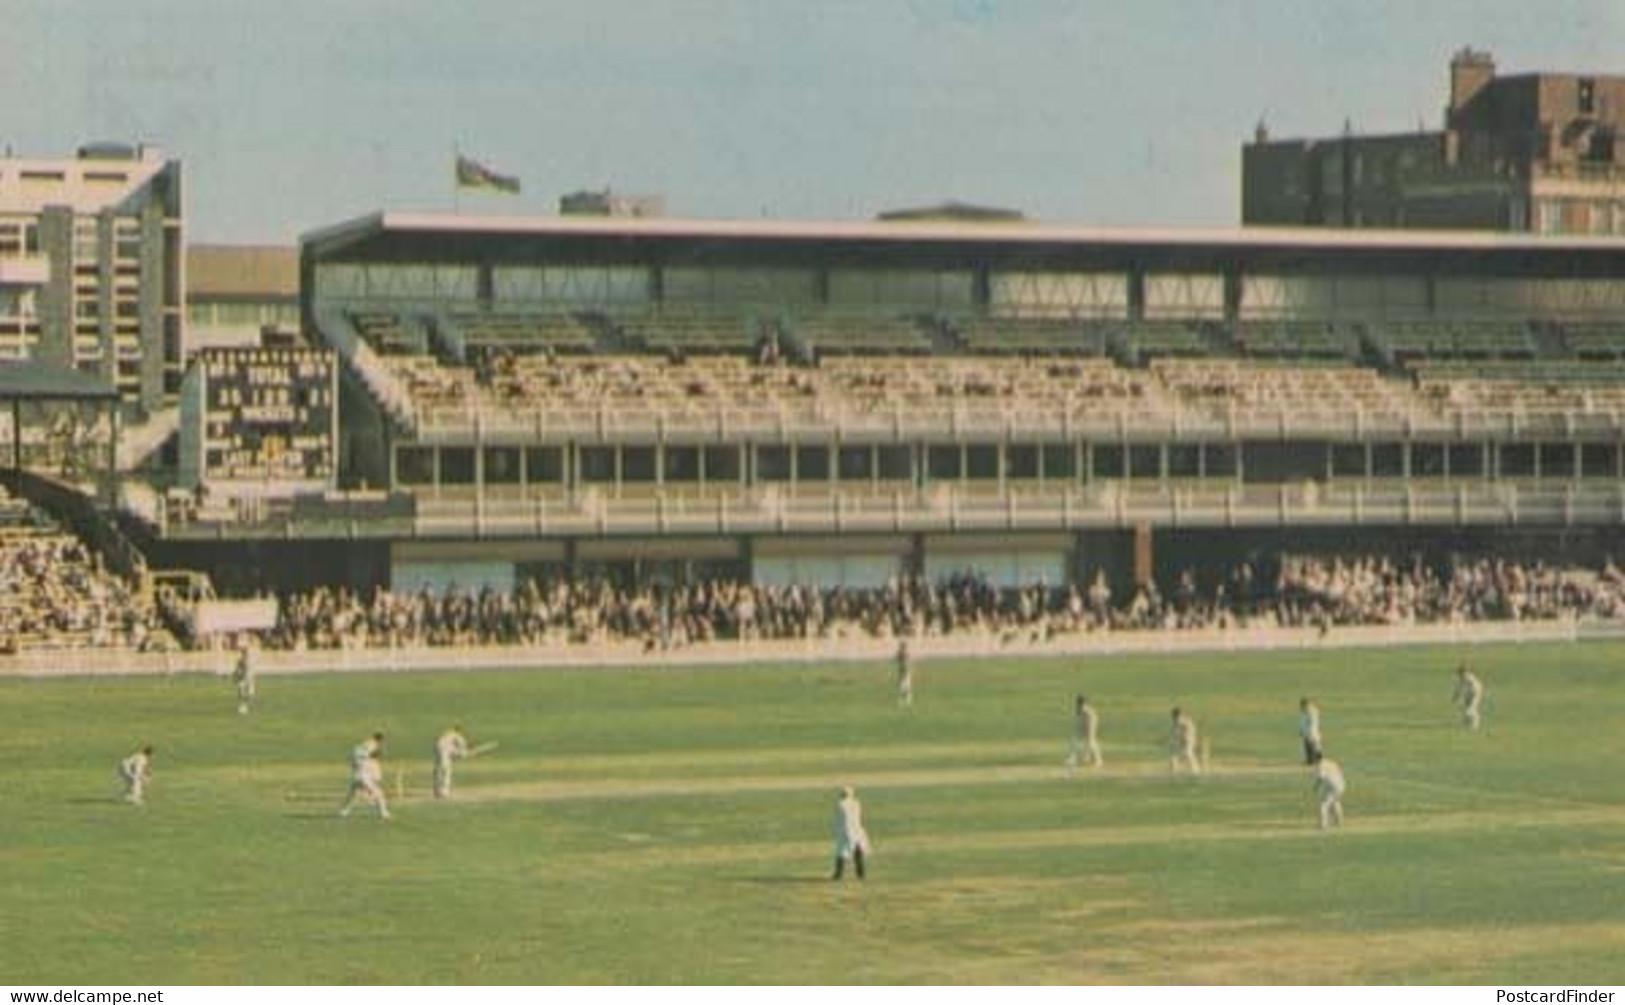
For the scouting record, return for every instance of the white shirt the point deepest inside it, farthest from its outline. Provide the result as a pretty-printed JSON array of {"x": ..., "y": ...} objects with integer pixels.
[
  {"x": 135, "y": 766},
  {"x": 1469, "y": 689},
  {"x": 363, "y": 765},
  {"x": 1309, "y": 723},
  {"x": 451, "y": 744},
  {"x": 849, "y": 833},
  {"x": 1184, "y": 733},
  {"x": 1088, "y": 722}
]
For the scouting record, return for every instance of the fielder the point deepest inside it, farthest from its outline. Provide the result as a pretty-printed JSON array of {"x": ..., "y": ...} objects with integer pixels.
[
  {"x": 851, "y": 840},
  {"x": 1469, "y": 695},
  {"x": 905, "y": 675},
  {"x": 1182, "y": 743},
  {"x": 1309, "y": 730},
  {"x": 1329, "y": 789},
  {"x": 367, "y": 775},
  {"x": 1085, "y": 736},
  {"x": 244, "y": 677},
  {"x": 451, "y": 744},
  {"x": 136, "y": 771}
]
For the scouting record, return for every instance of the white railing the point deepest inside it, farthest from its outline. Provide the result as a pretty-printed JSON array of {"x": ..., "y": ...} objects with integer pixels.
[
  {"x": 823, "y": 421},
  {"x": 1098, "y": 505}
]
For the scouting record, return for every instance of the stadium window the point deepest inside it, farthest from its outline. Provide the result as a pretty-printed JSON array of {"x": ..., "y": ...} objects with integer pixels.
[
  {"x": 1557, "y": 460},
  {"x": 1466, "y": 460},
  {"x": 982, "y": 462},
  {"x": 1021, "y": 461},
  {"x": 681, "y": 464},
  {"x": 894, "y": 463},
  {"x": 638, "y": 465},
  {"x": 501, "y": 466},
  {"x": 456, "y": 465},
  {"x": 943, "y": 462},
  {"x": 722, "y": 464},
  {"x": 1587, "y": 96},
  {"x": 544, "y": 465},
  {"x": 1107, "y": 461},
  {"x": 1184, "y": 460},
  {"x": 597, "y": 465},
  {"x": 812, "y": 464},
  {"x": 772, "y": 464},
  {"x": 414, "y": 465},
  {"x": 1145, "y": 462},
  {"x": 1388, "y": 460},
  {"x": 1219, "y": 460},
  {"x": 1060, "y": 462},
  {"x": 855, "y": 464},
  {"x": 1427, "y": 460},
  {"x": 1599, "y": 460},
  {"x": 1517, "y": 460}
]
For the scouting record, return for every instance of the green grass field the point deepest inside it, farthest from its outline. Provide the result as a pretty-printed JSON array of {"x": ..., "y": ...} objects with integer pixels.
[{"x": 672, "y": 825}]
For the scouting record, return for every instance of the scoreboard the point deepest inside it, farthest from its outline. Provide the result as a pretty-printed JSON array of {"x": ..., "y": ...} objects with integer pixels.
[{"x": 264, "y": 420}]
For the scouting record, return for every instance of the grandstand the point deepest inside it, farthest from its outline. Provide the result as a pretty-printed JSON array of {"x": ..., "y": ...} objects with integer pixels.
[{"x": 652, "y": 397}]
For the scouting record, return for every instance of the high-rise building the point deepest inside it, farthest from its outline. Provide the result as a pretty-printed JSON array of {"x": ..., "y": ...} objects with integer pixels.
[
  {"x": 1541, "y": 152},
  {"x": 91, "y": 268}
]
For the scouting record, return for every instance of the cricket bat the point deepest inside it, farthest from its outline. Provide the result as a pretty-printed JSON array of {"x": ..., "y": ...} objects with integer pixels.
[{"x": 484, "y": 748}]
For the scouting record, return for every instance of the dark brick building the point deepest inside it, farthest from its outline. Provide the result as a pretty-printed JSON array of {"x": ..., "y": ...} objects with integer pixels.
[{"x": 1533, "y": 152}]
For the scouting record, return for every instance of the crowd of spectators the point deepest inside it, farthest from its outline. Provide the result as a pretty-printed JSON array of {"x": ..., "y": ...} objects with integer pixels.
[
  {"x": 56, "y": 594},
  {"x": 1296, "y": 591}
]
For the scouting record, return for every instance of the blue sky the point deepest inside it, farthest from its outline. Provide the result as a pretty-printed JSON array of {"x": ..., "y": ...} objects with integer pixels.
[{"x": 297, "y": 113}]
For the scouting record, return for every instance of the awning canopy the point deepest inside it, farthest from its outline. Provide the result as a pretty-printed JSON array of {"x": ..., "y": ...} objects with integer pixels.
[{"x": 31, "y": 380}]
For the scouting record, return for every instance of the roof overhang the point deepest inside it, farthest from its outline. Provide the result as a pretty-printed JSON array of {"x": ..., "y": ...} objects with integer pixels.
[{"x": 456, "y": 238}]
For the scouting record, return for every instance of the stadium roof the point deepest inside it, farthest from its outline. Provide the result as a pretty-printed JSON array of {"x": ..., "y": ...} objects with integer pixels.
[
  {"x": 31, "y": 380},
  {"x": 450, "y": 237}
]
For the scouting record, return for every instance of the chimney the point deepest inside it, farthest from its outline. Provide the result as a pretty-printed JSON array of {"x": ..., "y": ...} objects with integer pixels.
[{"x": 1470, "y": 71}]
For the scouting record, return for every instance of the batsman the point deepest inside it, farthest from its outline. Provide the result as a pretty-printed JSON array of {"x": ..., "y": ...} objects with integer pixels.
[{"x": 451, "y": 745}]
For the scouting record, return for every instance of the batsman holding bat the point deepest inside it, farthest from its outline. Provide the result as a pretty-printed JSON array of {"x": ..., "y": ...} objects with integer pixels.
[{"x": 452, "y": 744}]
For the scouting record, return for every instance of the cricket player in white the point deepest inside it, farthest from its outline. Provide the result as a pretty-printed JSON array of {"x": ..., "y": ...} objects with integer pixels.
[
  {"x": 1469, "y": 695},
  {"x": 243, "y": 676},
  {"x": 367, "y": 775},
  {"x": 1182, "y": 742},
  {"x": 452, "y": 744},
  {"x": 1085, "y": 735},
  {"x": 135, "y": 771},
  {"x": 905, "y": 675},
  {"x": 851, "y": 840},
  {"x": 1309, "y": 729},
  {"x": 1329, "y": 788}
]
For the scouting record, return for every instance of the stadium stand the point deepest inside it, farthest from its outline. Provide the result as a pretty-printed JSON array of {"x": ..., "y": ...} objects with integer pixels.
[
  {"x": 1031, "y": 336},
  {"x": 55, "y": 593}
]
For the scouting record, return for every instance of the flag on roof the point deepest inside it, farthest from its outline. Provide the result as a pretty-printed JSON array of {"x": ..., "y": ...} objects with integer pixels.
[{"x": 472, "y": 174}]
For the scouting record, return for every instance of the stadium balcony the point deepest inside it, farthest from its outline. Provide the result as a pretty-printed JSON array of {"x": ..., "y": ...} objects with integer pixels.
[
  {"x": 1403, "y": 342},
  {"x": 1031, "y": 336},
  {"x": 1295, "y": 340}
]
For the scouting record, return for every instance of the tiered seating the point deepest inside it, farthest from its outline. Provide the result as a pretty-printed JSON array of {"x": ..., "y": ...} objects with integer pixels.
[
  {"x": 54, "y": 593},
  {"x": 1291, "y": 340},
  {"x": 1219, "y": 387},
  {"x": 1031, "y": 336},
  {"x": 1404, "y": 341},
  {"x": 1152, "y": 339},
  {"x": 835, "y": 333},
  {"x": 387, "y": 332},
  {"x": 1594, "y": 341},
  {"x": 558, "y": 331},
  {"x": 1550, "y": 387},
  {"x": 677, "y": 330}
]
